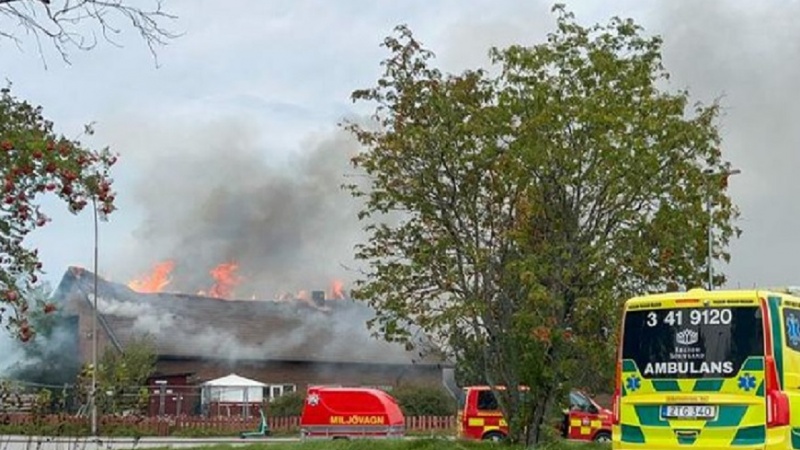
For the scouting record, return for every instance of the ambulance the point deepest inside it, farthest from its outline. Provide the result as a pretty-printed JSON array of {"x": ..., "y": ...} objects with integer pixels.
[
  {"x": 480, "y": 418},
  {"x": 708, "y": 369},
  {"x": 350, "y": 413}
]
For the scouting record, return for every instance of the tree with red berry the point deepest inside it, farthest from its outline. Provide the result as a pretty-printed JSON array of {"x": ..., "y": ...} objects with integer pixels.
[{"x": 35, "y": 160}]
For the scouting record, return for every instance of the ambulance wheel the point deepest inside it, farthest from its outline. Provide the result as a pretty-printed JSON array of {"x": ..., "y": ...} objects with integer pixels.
[
  {"x": 602, "y": 436},
  {"x": 495, "y": 436}
]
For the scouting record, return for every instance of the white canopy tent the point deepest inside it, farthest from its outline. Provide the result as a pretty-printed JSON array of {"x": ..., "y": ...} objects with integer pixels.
[{"x": 232, "y": 389}]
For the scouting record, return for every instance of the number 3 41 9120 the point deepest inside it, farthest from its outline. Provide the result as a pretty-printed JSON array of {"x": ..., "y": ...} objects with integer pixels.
[{"x": 710, "y": 316}]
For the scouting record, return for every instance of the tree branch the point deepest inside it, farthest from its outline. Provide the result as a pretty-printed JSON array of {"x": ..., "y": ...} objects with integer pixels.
[{"x": 59, "y": 24}]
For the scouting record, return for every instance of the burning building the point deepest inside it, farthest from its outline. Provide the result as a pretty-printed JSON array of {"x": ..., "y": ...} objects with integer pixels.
[{"x": 285, "y": 344}]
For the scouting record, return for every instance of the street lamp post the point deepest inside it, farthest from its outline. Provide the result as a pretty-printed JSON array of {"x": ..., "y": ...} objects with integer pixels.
[
  {"x": 725, "y": 173},
  {"x": 94, "y": 328}
]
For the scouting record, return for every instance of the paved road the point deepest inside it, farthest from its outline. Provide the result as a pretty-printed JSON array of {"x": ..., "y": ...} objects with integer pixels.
[{"x": 123, "y": 443}]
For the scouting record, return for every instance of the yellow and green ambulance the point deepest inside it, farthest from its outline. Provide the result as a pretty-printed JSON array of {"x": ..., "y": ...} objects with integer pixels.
[{"x": 708, "y": 369}]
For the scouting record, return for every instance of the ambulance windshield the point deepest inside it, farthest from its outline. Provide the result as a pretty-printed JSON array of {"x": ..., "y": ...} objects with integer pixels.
[{"x": 706, "y": 342}]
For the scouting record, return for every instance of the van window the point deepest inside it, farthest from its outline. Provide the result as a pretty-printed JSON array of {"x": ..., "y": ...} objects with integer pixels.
[
  {"x": 707, "y": 342},
  {"x": 578, "y": 400},
  {"x": 791, "y": 328},
  {"x": 487, "y": 401}
]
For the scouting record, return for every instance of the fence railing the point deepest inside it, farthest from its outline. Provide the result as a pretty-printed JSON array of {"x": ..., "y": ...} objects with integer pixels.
[{"x": 189, "y": 425}]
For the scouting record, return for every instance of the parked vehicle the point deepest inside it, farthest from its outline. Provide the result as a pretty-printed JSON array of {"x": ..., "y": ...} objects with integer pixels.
[
  {"x": 586, "y": 420},
  {"x": 480, "y": 418},
  {"x": 350, "y": 413},
  {"x": 709, "y": 369}
]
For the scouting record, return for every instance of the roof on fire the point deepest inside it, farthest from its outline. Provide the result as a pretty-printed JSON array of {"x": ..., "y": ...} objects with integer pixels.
[{"x": 191, "y": 326}]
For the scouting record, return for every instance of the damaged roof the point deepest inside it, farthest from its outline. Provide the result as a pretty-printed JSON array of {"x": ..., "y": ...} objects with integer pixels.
[{"x": 191, "y": 326}]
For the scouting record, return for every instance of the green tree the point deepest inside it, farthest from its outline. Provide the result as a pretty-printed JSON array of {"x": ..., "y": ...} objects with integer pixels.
[
  {"x": 509, "y": 214},
  {"x": 35, "y": 160},
  {"x": 121, "y": 377},
  {"x": 66, "y": 24}
]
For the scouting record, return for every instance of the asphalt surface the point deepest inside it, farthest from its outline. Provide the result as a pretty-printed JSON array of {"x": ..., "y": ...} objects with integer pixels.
[{"x": 12, "y": 442}]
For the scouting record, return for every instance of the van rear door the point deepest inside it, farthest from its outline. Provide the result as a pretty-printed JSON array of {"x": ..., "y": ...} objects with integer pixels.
[{"x": 693, "y": 373}]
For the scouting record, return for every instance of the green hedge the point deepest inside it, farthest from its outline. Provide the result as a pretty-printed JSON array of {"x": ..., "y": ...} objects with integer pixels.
[
  {"x": 287, "y": 405},
  {"x": 424, "y": 401}
]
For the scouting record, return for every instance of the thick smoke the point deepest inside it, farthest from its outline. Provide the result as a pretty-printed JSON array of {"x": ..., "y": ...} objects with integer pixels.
[
  {"x": 48, "y": 358},
  {"x": 181, "y": 326},
  {"x": 748, "y": 54},
  {"x": 10, "y": 351},
  {"x": 288, "y": 225}
]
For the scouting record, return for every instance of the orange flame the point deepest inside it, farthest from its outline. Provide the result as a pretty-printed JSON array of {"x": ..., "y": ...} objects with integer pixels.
[
  {"x": 225, "y": 280},
  {"x": 156, "y": 280},
  {"x": 337, "y": 290}
]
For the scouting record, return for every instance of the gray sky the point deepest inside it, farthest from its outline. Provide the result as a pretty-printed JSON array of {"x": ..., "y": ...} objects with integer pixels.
[{"x": 230, "y": 149}]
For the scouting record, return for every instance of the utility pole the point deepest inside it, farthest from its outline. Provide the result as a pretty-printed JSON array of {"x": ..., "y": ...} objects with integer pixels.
[
  {"x": 710, "y": 173},
  {"x": 94, "y": 328}
]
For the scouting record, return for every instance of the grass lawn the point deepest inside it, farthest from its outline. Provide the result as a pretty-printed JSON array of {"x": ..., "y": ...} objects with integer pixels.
[{"x": 418, "y": 444}]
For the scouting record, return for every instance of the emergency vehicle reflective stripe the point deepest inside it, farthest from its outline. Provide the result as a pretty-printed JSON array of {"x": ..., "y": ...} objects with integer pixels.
[
  {"x": 487, "y": 424},
  {"x": 734, "y": 424},
  {"x": 753, "y": 369},
  {"x": 486, "y": 421},
  {"x": 586, "y": 426}
]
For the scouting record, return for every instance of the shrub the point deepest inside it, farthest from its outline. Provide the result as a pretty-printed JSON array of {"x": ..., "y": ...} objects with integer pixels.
[
  {"x": 287, "y": 405},
  {"x": 424, "y": 401}
]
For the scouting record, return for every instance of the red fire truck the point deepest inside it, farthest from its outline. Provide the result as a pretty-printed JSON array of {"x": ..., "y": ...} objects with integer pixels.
[
  {"x": 479, "y": 417},
  {"x": 350, "y": 413}
]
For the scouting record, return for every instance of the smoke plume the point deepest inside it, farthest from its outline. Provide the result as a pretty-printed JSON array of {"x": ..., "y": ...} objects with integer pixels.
[
  {"x": 49, "y": 357},
  {"x": 184, "y": 325},
  {"x": 215, "y": 198},
  {"x": 746, "y": 54}
]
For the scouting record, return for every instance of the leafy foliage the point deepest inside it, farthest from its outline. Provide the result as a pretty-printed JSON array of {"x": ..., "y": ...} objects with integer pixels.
[
  {"x": 424, "y": 401},
  {"x": 34, "y": 160},
  {"x": 121, "y": 377},
  {"x": 287, "y": 405},
  {"x": 508, "y": 215}
]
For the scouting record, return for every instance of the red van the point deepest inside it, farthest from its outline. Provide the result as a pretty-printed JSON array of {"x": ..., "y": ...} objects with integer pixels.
[
  {"x": 350, "y": 413},
  {"x": 479, "y": 417}
]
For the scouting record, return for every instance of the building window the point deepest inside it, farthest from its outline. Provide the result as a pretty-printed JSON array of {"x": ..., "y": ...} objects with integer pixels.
[{"x": 273, "y": 391}]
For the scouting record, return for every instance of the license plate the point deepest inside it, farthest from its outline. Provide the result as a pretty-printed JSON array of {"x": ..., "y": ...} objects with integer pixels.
[{"x": 688, "y": 411}]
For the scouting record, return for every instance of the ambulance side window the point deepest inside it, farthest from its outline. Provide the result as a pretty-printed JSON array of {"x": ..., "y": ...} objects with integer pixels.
[
  {"x": 791, "y": 328},
  {"x": 487, "y": 401}
]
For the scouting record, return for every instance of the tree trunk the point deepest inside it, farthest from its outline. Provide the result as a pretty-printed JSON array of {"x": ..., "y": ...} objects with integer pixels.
[{"x": 534, "y": 432}]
